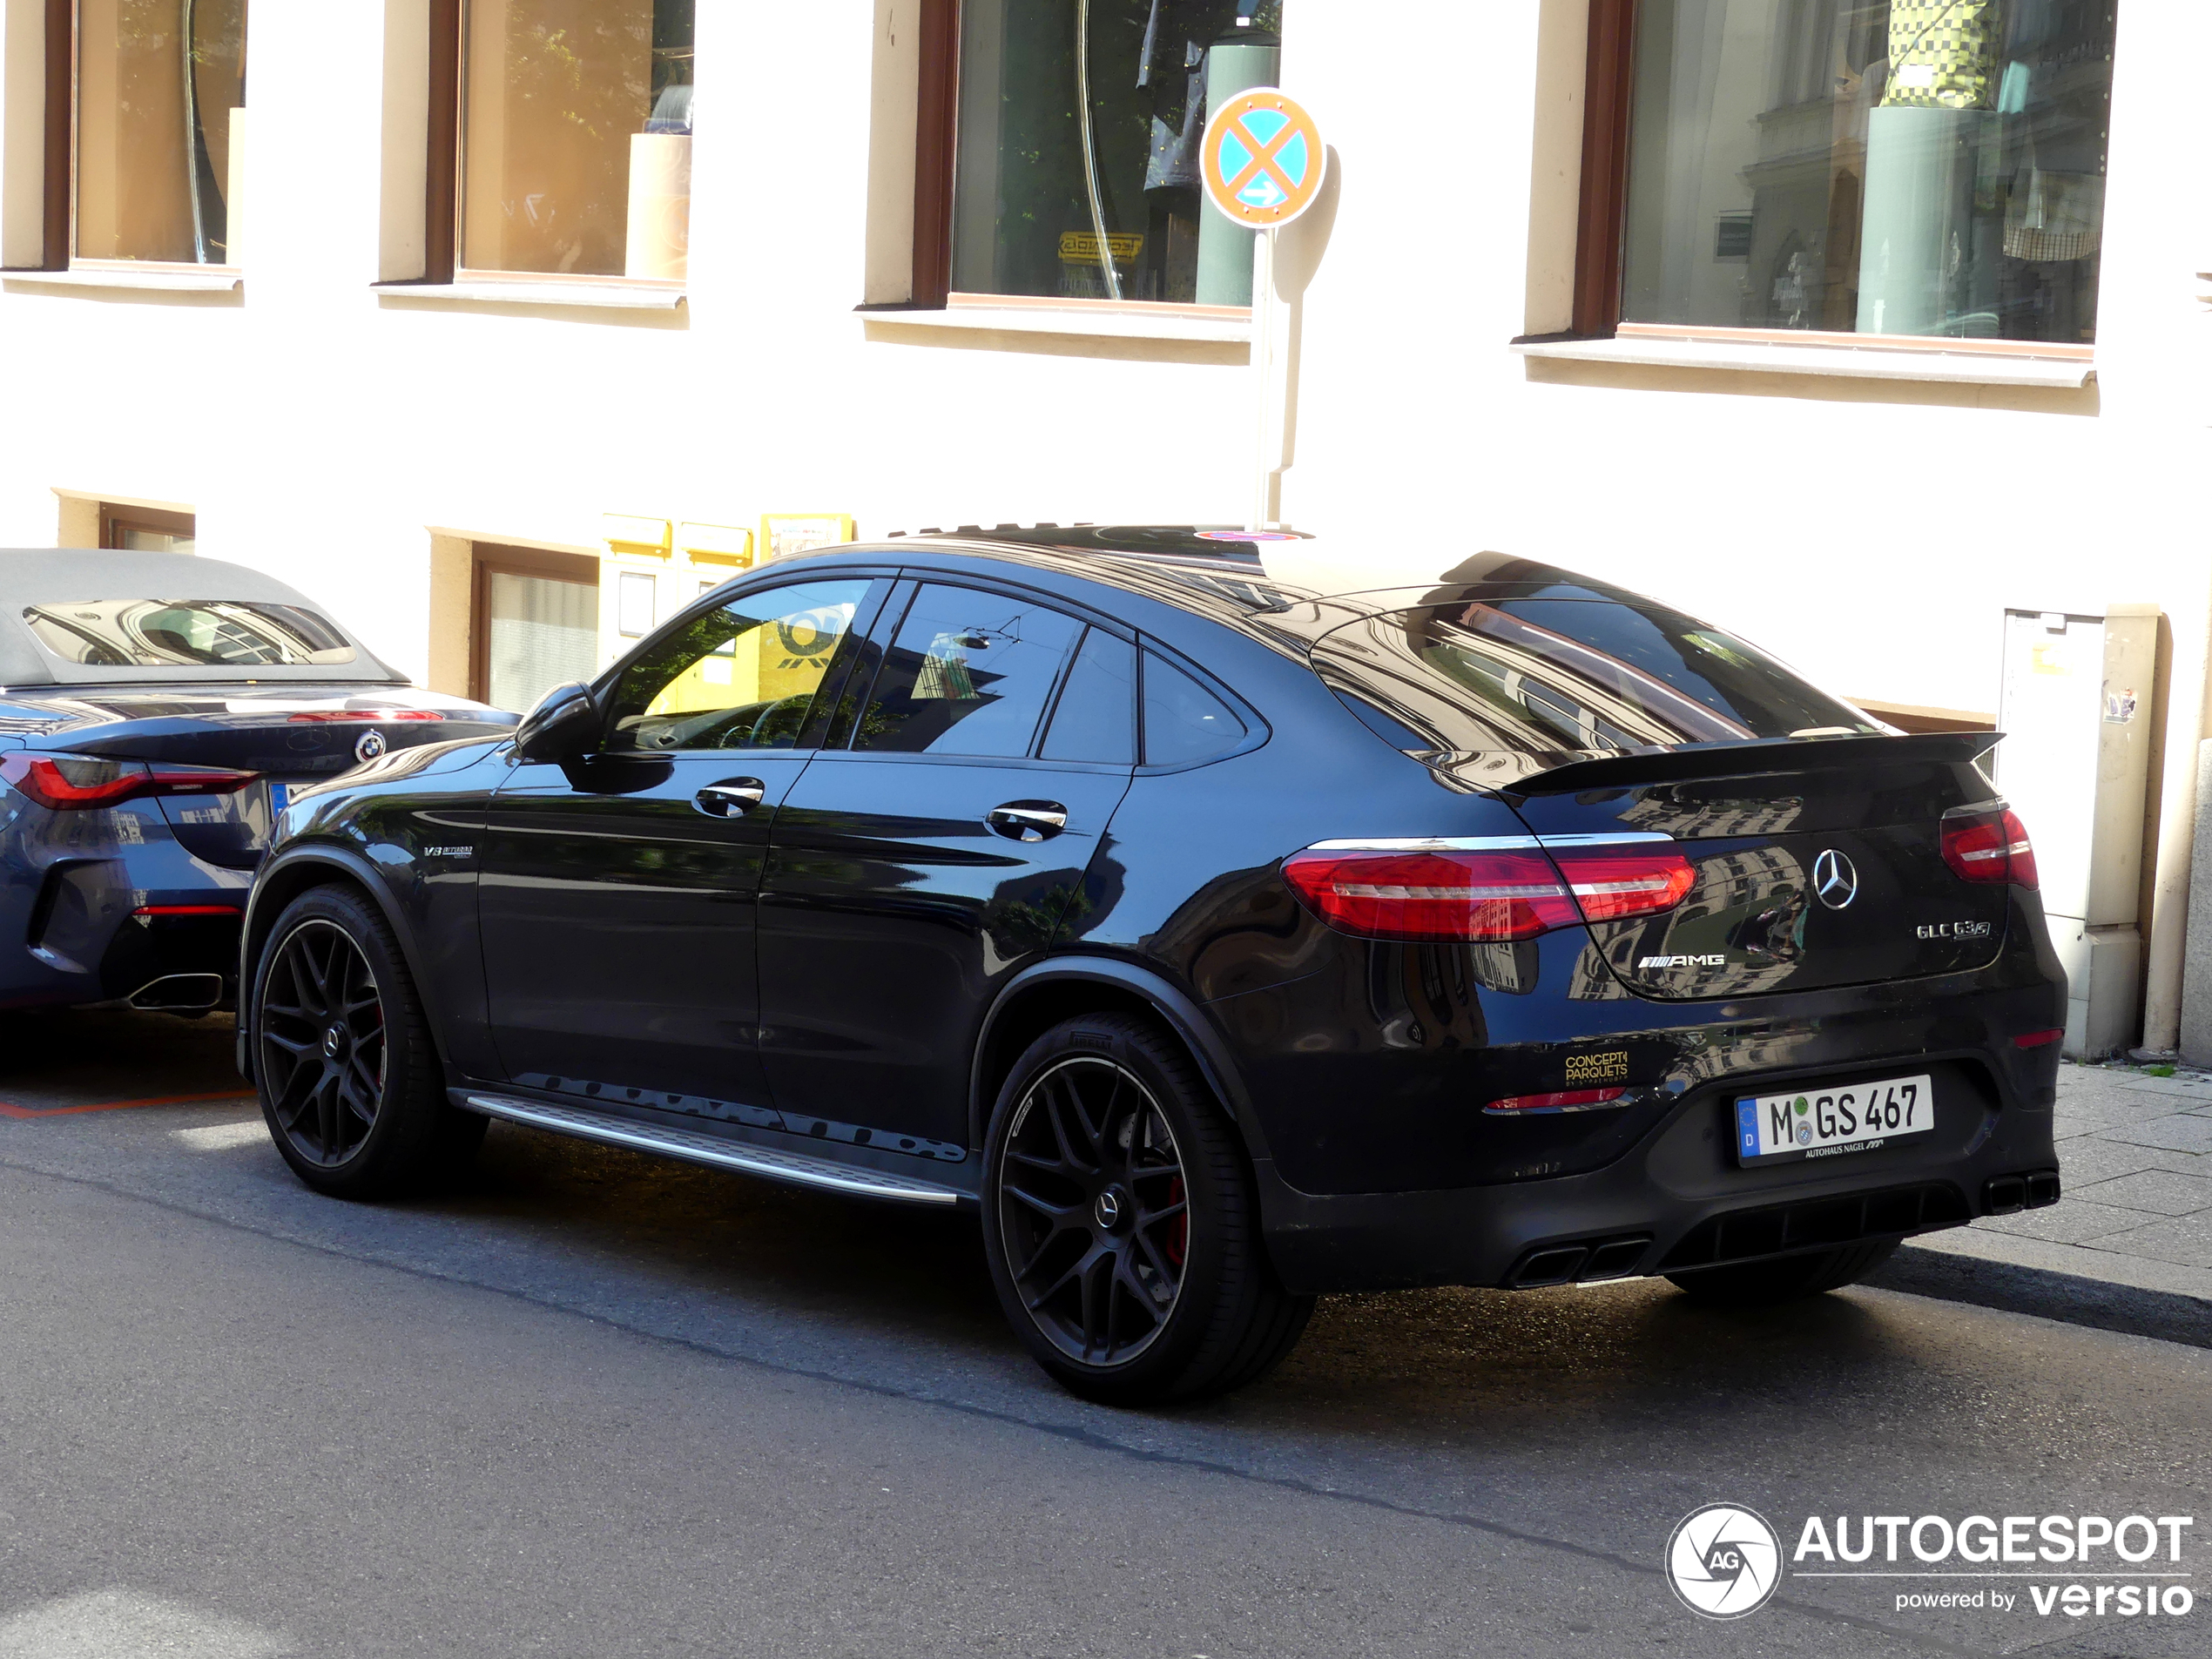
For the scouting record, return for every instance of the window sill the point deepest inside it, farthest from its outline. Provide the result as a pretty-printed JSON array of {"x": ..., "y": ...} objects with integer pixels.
[
  {"x": 216, "y": 280},
  {"x": 611, "y": 295},
  {"x": 1087, "y": 321},
  {"x": 1885, "y": 363}
]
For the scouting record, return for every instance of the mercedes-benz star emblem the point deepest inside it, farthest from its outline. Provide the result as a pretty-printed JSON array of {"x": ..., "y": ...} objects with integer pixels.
[
  {"x": 1835, "y": 879},
  {"x": 370, "y": 747},
  {"x": 1724, "y": 1562}
]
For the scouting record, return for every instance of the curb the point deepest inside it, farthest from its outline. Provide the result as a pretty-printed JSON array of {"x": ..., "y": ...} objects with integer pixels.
[{"x": 1966, "y": 1274}]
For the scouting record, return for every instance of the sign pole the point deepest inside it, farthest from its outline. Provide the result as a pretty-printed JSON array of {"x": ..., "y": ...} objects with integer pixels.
[
  {"x": 1270, "y": 451},
  {"x": 1264, "y": 164}
]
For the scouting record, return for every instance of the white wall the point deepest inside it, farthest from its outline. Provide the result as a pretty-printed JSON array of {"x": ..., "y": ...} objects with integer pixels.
[{"x": 1869, "y": 531}]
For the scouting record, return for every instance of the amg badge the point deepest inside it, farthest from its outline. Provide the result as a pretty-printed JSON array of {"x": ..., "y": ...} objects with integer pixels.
[{"x": 1682, "y": 961}]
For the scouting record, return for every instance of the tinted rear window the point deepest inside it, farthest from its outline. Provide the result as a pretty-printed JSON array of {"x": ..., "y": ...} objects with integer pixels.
[
  {"x": 1551, "y": 677},
  {"x": 186, "y": 633}
]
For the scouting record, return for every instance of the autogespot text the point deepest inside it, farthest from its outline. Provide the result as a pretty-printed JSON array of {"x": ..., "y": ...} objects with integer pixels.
[{"x": 2124, "y": 1568}]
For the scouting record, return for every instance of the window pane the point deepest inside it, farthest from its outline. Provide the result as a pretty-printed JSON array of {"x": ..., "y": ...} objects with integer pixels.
[
  {"x": 154, "y": 127},
  {"x": 1036, "y": 184},
  {"x": 741, "y": 677},
  {"x": 970, "y": 674},
  {"x": 1096, "y": 718},
  {"x": 1550, "y": 678},
  {"x": 545, "y": 633},
  {"x": 186, "y": 633},
  {"x": 1926, "y": 167},
  {"x": 576, "y": 136},
  {"x": 1182, "y": 720}
]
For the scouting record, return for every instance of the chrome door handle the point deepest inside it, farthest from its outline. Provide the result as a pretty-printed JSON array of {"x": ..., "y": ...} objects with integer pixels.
[
  {"x": 1028, "y": 820},
  {"x": 731, "y": 798}
]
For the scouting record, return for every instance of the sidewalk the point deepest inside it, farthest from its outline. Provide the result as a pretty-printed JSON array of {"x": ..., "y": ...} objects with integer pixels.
[{"x": 2129, "y": 1246}]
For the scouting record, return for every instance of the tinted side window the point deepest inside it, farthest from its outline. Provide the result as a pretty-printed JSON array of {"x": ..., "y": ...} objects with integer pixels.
[
  {"x": 969, "y": 673},
  {"x": 1182, "y": 720},
  {"x": 1096, "y": 718},
  {"x": 740, "y": 677}
]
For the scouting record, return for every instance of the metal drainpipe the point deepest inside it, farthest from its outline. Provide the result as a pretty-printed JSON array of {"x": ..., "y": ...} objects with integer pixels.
[{"x": 2169, "y": 902}]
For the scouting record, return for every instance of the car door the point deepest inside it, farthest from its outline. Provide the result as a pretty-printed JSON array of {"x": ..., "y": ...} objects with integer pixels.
[
  {"x": 617, "y": 891},
  {"x": 915, "y": 870}
]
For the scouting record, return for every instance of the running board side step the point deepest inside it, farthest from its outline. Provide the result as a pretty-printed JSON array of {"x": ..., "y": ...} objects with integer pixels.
[{"x": 794, "y": 1169}]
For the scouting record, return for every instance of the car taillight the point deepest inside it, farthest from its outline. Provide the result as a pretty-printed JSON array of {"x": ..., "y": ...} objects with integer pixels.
[
  {"x": 1988, "y": 843},
  {"x": 1564, "y": 1100},
  {"x": 365, "y": 716},
  {"x": 1464, "y": 896},
  {"x": 64, "y": 783}
]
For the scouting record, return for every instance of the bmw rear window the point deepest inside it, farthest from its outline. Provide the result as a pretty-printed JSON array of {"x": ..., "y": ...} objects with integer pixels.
[
  {"x": 186, "y": 633},
  {"x": 1553, "y": 679}
]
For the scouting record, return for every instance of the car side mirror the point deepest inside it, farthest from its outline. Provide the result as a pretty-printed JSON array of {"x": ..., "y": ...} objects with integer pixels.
[{"x": 563, "y": 726}]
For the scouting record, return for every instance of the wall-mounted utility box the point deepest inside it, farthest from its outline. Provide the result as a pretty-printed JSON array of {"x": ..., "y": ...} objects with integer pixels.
[{"x": 2075, "y": 707}]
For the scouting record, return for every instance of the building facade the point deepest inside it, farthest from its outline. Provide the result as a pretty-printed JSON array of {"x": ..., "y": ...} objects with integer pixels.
[{"x": 501, "y": 325}]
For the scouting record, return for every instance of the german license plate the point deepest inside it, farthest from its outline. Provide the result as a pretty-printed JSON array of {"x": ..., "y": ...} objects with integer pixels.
[
  {"x": 279, "y": 797},
  {"x": 1827, "y": 1123}
]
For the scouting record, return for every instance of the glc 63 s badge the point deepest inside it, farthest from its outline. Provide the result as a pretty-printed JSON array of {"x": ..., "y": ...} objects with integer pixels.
[{"x": 1954, "y": 930}]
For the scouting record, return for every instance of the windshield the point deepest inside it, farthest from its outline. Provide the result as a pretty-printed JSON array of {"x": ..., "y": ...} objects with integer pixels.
[
  {"x": 186, "y": 633},
  {"x": 1554, "y": 680}
]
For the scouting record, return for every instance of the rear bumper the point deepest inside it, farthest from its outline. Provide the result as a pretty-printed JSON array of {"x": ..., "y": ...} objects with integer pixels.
[{"x": 1675, "y": 1204}]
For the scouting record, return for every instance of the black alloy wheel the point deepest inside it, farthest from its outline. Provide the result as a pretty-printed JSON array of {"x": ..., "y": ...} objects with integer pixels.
[
  {"x": 1094, "y": 1210},
  {"x": 351, "y": 1084},
  {"x": 322, "y": 1038},
  {"x": 1120, "y": 1224}
]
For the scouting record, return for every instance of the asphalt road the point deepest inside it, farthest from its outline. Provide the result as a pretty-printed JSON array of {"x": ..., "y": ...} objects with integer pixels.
[{"x": 589, "y": 1404}]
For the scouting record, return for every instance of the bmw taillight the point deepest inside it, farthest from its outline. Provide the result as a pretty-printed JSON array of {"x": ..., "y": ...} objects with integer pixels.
[
  {"x": 1453, "y": 895},
  {"x": 64, "y": 782},
  {"x": 1988, "y": 843}
]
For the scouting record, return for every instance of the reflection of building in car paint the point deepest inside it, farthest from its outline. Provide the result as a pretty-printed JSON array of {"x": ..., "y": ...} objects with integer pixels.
[
  {"x": 1739, "y": 926},
  {"x": 1507, "y": 967},
  {"x": 1713, "y": 820}
]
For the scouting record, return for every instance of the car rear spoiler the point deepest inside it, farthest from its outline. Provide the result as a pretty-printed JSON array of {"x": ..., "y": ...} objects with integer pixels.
[{"x": 1759, "y": 756}]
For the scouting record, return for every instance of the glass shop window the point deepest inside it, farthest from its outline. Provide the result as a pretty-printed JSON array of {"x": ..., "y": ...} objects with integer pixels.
[
  {"x": 1927, "y": 167},
  {"x": 576, "y": 137},
  {"x": 1078, "y": 175},
  {"x": 160, "y": 103}
]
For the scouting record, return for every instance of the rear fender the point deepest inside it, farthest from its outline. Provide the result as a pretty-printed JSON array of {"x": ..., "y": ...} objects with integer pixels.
[{"x": 1183, "y": 1016}]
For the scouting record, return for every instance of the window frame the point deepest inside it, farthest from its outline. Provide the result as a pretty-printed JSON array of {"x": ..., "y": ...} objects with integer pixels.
[
  {"x": 488, "y": 559},
  {"x": 445, "y": 153},
  {"x": 64, "y": 41},
  {"x": 1601, "y": 245},
  {"x": 936, "y": 167},
  {"x": 114, "y": 520}
]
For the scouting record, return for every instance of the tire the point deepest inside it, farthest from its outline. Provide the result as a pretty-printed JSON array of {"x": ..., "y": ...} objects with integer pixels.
[
  {"x": 1109, "y": 1172},
  {"x": 1757, "y": 1285},
  {"x": 350, "y": 1084}
]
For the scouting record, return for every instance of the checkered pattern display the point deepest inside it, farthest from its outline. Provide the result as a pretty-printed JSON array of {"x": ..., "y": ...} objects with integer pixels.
[{"x": 1943, "y": 54}]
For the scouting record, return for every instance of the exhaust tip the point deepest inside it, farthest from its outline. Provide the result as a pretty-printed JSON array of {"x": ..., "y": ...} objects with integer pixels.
[{"x": 179, "y": 993}]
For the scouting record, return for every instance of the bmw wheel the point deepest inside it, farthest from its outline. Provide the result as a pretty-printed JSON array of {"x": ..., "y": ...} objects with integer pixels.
[
  {"x": 1120, "y": 1222},
  {"x": 349, "y": 1083}
]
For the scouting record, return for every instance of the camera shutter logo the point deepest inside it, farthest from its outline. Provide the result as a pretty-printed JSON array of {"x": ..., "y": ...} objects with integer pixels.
[{"x": 1724, "y": 1562}]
